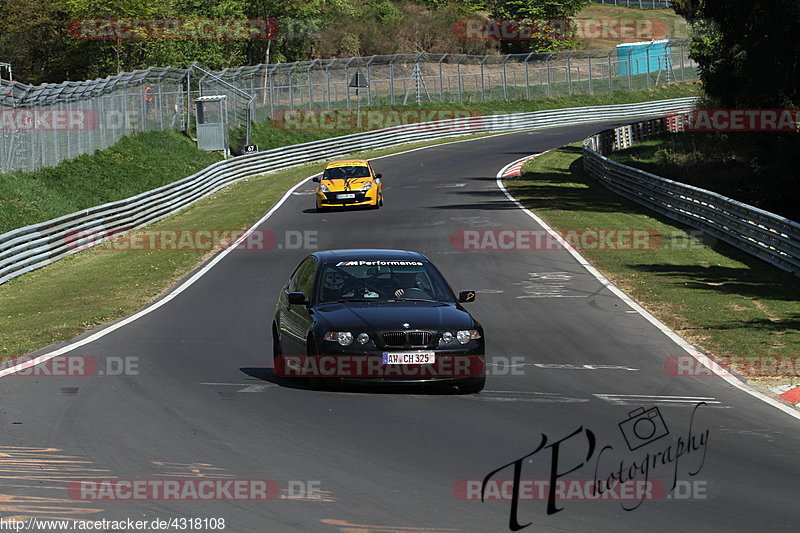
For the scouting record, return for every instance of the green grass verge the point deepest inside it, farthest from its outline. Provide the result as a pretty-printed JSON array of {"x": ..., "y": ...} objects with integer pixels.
[
  {"x": 135, "y": 164},
  {"x": 96, "y": 286},
  {"x": 714, "y": 295}
]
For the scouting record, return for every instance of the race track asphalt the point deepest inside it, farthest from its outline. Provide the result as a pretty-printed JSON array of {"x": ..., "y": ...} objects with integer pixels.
[{"x": 204, "y": 403}]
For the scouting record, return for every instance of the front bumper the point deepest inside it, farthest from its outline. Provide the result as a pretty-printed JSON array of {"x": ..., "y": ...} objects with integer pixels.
[
  {"x": 454, "y": 366},
  {"x": 330, "y": 199}
]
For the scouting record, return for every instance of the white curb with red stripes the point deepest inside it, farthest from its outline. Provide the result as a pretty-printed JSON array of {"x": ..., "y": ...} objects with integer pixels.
[{"x": 515, "y": 169}]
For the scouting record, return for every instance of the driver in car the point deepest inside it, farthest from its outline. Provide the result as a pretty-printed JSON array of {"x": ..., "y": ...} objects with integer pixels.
[{"x": 407, "y": 280}]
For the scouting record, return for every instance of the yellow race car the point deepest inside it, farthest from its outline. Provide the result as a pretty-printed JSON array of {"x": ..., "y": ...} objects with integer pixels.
[{"x": 349, "y": 183}]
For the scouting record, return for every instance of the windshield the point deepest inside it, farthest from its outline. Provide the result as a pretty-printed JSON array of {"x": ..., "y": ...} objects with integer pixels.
[
  {"x": 382, "y": 281},
  {"x": 356, "y": 171}
]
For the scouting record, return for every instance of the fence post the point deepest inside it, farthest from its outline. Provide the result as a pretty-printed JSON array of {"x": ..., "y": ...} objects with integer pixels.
[
  {"x": 527, "y": 78},
  {"x": 369, "y": 81},
  {"x": 289, "y": 76},
  {"x": 441, "y": 79},
  {"x": 549, "y": 80},
  {"x": 188, "y": 117},
  {"x": 271, "y": 74},
  {"x": 569, "y": 72},
  {"x": 505, "y": 79},
  {"x": 458, "y": 75},
  {"x": 683, "y": 71},
  {"x": 346, "y": 82},
  {"x": 391, "y": 78},
  {"x": 161, "y": 102},
  {"x": 328, "y": 84},
  {"x": 630, "y": 70},
  {"x": 310, "y": 86},
  {"x": 483, "y": 92}
]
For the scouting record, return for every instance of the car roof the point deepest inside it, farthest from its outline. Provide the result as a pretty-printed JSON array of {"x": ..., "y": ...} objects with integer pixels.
[
  {"x": 348, "y": 163},
  {"x": 330, "y": 256}
]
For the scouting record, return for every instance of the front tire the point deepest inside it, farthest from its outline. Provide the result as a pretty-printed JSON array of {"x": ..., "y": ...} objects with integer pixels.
[
  {"x": 473, "y": 386},
  {"x": 276, "y": 343},
  {"x": 315, "y": 382}
]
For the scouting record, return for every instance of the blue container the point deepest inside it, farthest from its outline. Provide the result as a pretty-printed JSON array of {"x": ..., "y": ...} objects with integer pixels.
[{"x": 643, "y": 58}]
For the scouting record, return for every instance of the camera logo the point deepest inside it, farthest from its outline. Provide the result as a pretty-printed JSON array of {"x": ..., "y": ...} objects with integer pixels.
[{"x": 643, "y": 427}]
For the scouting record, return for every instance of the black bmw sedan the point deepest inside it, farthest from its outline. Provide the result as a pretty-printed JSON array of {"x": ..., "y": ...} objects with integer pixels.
[{"x": 379, "y": 316}]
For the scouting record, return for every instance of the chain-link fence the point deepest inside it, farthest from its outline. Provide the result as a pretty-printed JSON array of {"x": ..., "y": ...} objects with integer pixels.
[
  {"x": 43, "y": 125},
  {"x": 406, "y": 79}
]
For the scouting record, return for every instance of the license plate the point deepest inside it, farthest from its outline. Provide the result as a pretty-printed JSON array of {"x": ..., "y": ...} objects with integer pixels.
[
  {"x": 409, "y": 358},
  {"x": 345, "y": 196}
]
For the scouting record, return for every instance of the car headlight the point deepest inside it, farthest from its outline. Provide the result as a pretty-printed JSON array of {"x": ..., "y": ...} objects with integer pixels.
[
  {"x": 367, "y": 186},
  {"x": 363, "y": 338},
  {"x": 323, "y": 188},
  {"x": 447, "y": 337},
  {"x": 345, "y": 338},
  {"x": 465, "y": 335}
]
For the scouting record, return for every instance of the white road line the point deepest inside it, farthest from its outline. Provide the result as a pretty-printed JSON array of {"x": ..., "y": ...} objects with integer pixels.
[
  {"x": 255, "y": 388},
  {"x": 677, "y": 339},
  {"x": 229, "y": 384},
  {"x": 523, "y": 396},
  {"x": 248, "y": 387},
  {"x": 656, "y": 396},
  {"x": 628, "y": 399},
  {"x": 563, "y": 366}
]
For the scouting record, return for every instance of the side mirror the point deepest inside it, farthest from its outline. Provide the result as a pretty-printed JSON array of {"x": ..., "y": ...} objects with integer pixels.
[
  {"x": 296, "y": 298},
  {"x": 378, "y": 176},
  {"x": 466, "y": 296},
  {"x": 315, "y": 178}
]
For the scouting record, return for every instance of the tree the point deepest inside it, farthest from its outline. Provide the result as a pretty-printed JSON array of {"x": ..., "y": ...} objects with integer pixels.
[
  {"x": 33, "y": 41},
  {"x": 748, "y": 52},
  {"x": 545, "y": 16}
]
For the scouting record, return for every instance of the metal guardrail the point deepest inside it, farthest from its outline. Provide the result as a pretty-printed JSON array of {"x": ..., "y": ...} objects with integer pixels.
[
  {"x": 34, "y": 246},
  {"x": 642, "y": 4},
  {"x": 765, "y": 235}
]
